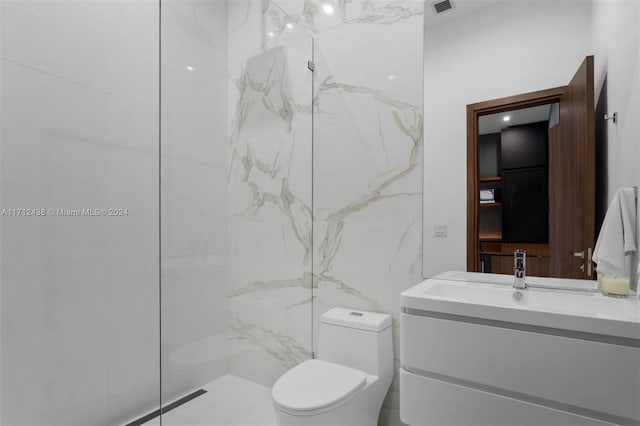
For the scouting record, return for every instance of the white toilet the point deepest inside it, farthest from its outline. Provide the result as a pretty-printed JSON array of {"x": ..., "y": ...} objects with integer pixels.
[{"x": 348, "y": 382}]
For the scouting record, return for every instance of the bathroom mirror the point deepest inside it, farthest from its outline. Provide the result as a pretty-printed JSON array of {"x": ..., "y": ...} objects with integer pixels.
[
  {"x": 543, "y": 166},
  {"x": 489, "y": 50}
]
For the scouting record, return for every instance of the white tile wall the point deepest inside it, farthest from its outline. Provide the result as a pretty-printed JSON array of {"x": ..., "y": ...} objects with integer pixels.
[{"x": 79, "y": 129}]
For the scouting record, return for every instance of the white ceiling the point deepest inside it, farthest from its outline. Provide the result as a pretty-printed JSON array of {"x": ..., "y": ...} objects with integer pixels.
[
  {"x": 460, "y": 8},
  {"x": 495, "y": 122}
]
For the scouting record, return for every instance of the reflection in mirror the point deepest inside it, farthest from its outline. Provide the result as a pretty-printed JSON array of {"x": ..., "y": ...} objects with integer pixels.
[
  {"x": 546, "y": 171},
  {"x": 513, "y": 164}
]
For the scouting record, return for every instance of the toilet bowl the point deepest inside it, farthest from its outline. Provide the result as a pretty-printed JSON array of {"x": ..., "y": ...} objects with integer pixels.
[{"x": 347, "y": 383}]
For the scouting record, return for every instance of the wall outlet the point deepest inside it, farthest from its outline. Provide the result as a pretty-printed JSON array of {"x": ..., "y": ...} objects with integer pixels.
[{"x": 440, "y": 231}]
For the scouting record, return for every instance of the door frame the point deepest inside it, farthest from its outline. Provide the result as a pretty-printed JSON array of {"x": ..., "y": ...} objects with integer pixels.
[{"x": 474, "y": 111}]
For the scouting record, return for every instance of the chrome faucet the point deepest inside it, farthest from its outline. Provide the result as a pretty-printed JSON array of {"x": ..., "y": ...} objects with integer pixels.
[{"x": 519, "y": 268}]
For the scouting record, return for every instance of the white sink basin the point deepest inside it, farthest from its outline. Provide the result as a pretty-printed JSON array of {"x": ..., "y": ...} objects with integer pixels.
[{"x": 581, "y": 311}]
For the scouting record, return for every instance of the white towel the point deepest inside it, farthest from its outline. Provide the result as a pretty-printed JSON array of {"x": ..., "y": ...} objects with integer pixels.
[{"x": 617, "y": 235}]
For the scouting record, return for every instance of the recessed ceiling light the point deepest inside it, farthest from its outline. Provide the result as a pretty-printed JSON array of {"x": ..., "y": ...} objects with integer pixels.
[
  {"x": 190, "y": 68},
  {"x": 391, "y": 77},
  {"x": 327, "y": 9},
  {"x": 289, "y": 25},
  {"x": 271, "y": 33},
  {"x": 506, "y": 118}
]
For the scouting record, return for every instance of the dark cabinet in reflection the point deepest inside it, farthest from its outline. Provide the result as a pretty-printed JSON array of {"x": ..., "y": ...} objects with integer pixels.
[
  {"x": 525, "y": 207},
  {"x": 524, "y": 146},
  {"x": 514, "y": 165}
]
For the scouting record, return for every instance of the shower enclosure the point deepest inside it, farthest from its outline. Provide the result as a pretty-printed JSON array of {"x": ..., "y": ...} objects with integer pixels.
[
  {"x": 186, "y": 186},
  {"x": 236, "y": 216}
]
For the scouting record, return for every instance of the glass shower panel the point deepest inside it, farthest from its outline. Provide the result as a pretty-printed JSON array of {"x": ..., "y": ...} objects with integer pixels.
[
  {"x": 194, "y": 260},
  {"x": 236, "y": 205},
  {"x": 78, "y": 212}
]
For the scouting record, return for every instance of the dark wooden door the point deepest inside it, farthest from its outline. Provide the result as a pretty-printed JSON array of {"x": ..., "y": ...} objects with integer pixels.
[{"x": 572, "y": 178}]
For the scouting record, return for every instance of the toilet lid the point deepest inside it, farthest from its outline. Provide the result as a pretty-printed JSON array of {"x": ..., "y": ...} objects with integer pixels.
[{"x": 316, "y": 384}]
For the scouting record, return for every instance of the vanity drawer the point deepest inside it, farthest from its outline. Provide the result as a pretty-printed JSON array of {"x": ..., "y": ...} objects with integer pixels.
[
  {"x": 428, "y": 401},
  {"x": 584, "y": 374}
]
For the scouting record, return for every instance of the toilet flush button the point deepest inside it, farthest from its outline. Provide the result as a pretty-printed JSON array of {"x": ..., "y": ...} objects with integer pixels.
[{"x": 356, "y": 314}]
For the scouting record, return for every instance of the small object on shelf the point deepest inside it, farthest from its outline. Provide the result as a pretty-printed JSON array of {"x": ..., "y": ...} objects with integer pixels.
[
  {"x": 487, "y": 196},
  {"x": 490, "y": 179},
  {"x": 614, "y": 285},
  {"x": 491, "y": 238}
]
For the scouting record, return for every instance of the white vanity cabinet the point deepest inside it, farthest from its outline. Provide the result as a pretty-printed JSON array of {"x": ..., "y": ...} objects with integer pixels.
[{"x": 468, "y": 361}]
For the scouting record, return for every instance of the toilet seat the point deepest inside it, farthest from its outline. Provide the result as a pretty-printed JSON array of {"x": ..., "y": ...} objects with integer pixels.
[{"x": 316, "y": 386}]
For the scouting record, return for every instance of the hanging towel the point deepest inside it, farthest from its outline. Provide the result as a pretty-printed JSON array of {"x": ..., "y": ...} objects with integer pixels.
[{"x": 617, "y": 235}]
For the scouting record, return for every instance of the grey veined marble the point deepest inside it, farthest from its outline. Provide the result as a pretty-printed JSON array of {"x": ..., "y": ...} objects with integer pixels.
[
  {"x": 326, "y": 203},
  {"x": 309, "y": 13}
]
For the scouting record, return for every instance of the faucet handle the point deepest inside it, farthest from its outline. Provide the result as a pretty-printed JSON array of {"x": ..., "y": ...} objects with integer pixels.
[
  {"x": 519, "y": 259},
  {"x": 519, "y": 268}
]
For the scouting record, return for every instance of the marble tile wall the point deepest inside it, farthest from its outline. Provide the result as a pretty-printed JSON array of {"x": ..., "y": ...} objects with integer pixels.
[
  {"x": 368, "y": 160},
  {"x": 367, "y": 172},
  {"x": 269, "y": 183},
  {"x": 79, "y": 130}
]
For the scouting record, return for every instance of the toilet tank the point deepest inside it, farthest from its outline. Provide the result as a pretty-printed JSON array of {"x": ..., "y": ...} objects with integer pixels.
[{"x": 357, "y": 339}]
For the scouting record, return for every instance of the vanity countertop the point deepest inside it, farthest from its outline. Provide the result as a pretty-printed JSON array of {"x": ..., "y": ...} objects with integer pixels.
[
  {"x": 554, "y": 283},
  {"x": 558, "y": 306}
]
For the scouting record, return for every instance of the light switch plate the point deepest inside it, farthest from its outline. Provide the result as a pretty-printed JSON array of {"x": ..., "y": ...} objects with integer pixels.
[{"x": 440, "y": 231}]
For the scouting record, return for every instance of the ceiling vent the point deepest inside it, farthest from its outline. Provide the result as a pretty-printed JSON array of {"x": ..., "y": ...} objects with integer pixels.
[{"x": 442, "y": 6}]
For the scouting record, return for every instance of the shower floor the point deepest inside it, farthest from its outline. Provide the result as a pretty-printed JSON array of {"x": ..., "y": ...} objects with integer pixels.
[{"x": 229, "y": 401}]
